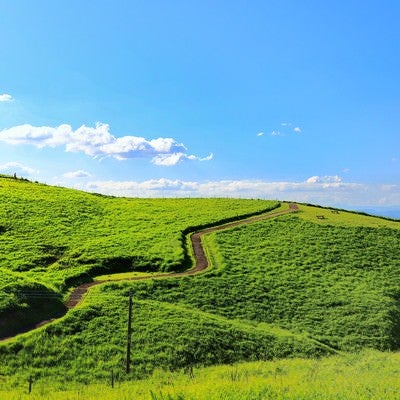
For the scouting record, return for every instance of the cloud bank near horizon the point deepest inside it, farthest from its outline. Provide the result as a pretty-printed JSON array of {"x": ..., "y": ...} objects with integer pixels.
[
  {"x": 17, "y": 168},
  {"x": 97, "y": 142},
  {"x": 77, "y": 174},
  {"x": 323, "y": 190}
]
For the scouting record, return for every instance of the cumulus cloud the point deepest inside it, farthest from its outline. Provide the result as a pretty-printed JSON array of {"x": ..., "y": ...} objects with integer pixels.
[
  {"x": 297, "y": 129},
  {"x": 260, "y": 134},
  {"x": 324, "y": 179},
  {"x": 77, "y": 174},
  {"x": 98, "y": 142},
  {"x": 276, "y": 133},
  {"x": 5, "y": 97},
  {"x": 16, "y": 167}
]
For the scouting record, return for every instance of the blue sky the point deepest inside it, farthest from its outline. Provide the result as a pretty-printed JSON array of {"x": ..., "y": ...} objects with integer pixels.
[{"x": 293, "y": 100}]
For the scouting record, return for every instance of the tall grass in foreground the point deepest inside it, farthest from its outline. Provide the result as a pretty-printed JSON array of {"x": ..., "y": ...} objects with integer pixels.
[{"x": 368, "y": 375}]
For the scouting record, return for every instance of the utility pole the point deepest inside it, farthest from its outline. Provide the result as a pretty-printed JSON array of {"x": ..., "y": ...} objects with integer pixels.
[{"x": 128, "y": 341}]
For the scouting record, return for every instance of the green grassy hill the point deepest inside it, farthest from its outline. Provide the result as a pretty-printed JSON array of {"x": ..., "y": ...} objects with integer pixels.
[
  {"x": 307, "y": 284},
  {"x": 53, "y": 238}
]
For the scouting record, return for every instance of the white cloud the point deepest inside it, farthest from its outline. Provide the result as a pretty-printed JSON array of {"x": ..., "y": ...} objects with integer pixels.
[
  {"x": 324, "y": 179},
  {"x": 77, "y": 174},
  {"x": 98, "y": 142},
  {"x": 175, "y": 158},
  {"x": 330, "y": 191},
  {"x": 284, "y": 130},
  {"x": 42, "y": 136},
  {"x": 15, "y": 167},
  {"x": 208, "y": 158},
  {"x": 169, "y": 159},
  {"x": 5, "y": 97}
]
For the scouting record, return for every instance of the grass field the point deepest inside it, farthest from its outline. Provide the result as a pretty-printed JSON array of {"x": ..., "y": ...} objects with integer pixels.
[
  {"x": 56, "y": 233},
  {"x": 126, "y": 276},
  {"x": 338, "y": 283},
  {"x": 368, "y": 375},
  {"x": 308, "y": 285},
  {"x": 90, "y": 341},
  {"x": 328, "y": 216},
  {"x": 53, "y": 238}
]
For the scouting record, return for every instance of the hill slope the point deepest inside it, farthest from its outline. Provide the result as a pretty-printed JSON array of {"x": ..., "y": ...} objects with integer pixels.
[
  {"x": 52, "y": 238},
  {"x": 294, "y": 285}
]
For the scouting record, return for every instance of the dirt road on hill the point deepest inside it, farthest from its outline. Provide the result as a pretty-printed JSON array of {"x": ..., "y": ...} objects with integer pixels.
[{"x": 201, "y": 261}]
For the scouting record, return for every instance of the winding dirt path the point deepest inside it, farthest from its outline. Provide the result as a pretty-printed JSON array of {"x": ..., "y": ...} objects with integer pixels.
[{"x": 201, "y": 262}]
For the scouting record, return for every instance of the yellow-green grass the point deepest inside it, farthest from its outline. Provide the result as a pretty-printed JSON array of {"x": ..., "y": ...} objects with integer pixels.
[
  {"x": 53, "y": 233},
  {"x": 304, "y": 277},
  {"x": 126, "y": 276},
  {"x": 213, "y": 257},
  {"x": 368, "y": 375},
  {"x": 333, "y": 278},
  {"x": 54, "y": 238},
  {"x": 337, "y": 283},
  {"x": 327, "y": 216},
  {"x": 89, "y": 342}
]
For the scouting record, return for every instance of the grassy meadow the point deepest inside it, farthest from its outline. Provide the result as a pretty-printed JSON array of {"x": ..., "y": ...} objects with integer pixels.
[
  {"x": 57, "y": 234},
  {"x": 366, "y": 375},
  {"x": 297, "y": 297},
  {"x": 53, "y": 238},
  {"x": 336, "y": 282}
]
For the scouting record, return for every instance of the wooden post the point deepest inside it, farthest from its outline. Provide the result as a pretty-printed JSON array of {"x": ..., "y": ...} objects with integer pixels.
[
  {"x": 30, "y": 380},
  {"x": 129, "y": 336}
]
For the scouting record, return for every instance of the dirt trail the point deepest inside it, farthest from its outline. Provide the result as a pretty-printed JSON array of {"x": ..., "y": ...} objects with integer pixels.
[{"x": 201, "y": 262}]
